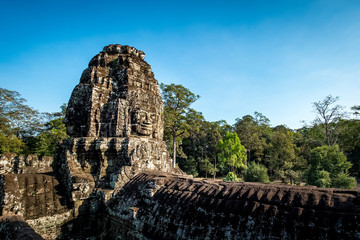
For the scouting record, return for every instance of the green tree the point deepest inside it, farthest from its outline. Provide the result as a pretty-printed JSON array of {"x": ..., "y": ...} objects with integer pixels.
[
  {"x": 47, "y": 140},
  {"x": 194, "y": 136},
  {"x": 189, "y": 165},
  {"x": 328, "y": 167},
  {"x": 178, "y": 115},
  {"x": 10, "y": 144},
  {"x": 308, "y": 138},
  {"x": 349, "y": 143},
  {"x": 231, "y": 177},
  {"x": 328, "y": 117},
  {"x": 55, "y": 131},
  {"x": 214, "y": 132},
  {"x": 208, "y": 167},
  {"x": 17, "y": 117},
  {"x": 253, "y": 133},
  {"x": 19, "y": 123},
  {"x": 356, "y": 110},
  {"x": 231, "y": 152},
  {"x": 201, "y": 144},
  {"x": 282, "y": 155},
  {"x": 256, "y": 172}
]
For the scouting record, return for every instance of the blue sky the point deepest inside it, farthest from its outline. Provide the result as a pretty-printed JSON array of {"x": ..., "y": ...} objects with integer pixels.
[{"x": 274, "y": 57}]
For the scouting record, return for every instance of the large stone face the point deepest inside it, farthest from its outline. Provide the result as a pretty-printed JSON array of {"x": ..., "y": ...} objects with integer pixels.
[
  {"x": 115, "y": 120},
  {"x": 118, "y": 96}
]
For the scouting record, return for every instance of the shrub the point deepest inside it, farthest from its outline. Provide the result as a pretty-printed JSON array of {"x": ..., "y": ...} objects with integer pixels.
[
  {"x": 343, "y": 181},
  {"x": 322, "y": 179},
  {"x": 328, "y": 167},
  {"x": 256, "y": 173},
  {"x": 10, "y": 144},
  {"x": 231, "y": 177}
]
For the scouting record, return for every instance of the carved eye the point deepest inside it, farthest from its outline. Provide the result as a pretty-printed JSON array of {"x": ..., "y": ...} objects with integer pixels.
[
  {"x": 153, "y": 116},
  {"x": 134, "y": 117},
  {"x": 142, "y": 115}
]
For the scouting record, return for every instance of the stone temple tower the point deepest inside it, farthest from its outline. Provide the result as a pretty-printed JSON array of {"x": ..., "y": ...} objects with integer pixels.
[{"x": 115, "y": 121}]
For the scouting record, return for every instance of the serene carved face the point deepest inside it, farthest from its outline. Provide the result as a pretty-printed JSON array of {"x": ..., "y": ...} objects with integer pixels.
[{"x": 143, "y": 122}]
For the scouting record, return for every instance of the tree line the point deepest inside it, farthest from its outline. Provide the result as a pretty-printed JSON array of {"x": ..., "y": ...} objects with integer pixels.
[
  {"x": 324, "y": 153},
  {"x": 24, "y": 130}
]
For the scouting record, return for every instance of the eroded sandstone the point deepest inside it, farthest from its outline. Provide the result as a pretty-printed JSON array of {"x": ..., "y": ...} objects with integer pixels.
[
  {"x": 14, "y": 164},
  {"x": 157, "y": 205}
]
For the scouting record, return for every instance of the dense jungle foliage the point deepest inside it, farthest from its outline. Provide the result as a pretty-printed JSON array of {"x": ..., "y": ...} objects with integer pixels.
[{"x": 325, "y": 152}]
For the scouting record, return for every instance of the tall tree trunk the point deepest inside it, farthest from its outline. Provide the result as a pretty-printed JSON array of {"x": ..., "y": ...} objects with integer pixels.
[
  {"x": 174, "y": 151},
  {"x": 327, "y": 134}
]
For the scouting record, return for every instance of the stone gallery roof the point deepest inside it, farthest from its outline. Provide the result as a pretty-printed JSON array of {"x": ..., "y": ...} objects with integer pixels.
[{"x": 167, "y": 206}]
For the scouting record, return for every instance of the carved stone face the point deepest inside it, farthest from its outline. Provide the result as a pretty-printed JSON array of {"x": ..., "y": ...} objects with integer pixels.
[{"x": 142, "y": 122}]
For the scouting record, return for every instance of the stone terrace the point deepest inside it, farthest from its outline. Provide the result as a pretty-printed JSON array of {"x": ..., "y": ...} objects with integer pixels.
[{"x": 156, "y": 205}]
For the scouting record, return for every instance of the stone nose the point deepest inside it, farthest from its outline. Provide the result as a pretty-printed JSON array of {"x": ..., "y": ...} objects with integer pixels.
[{"x": 147, "y": 119}]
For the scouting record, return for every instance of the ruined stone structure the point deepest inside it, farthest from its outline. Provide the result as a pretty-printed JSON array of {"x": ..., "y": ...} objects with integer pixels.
[
  {"x": 115, "y": 121},
  {"x": 112, "y": 179}
]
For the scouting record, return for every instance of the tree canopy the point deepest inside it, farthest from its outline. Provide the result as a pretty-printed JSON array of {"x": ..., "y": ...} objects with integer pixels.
[
  {"x": 24, "y": 130},
  {"x": 328, "y": 167},
  {"x": 253, "y": 132},
  {"x": 179, "y": 118},
  {"x": 231, "y": 152},
  {"x": 328, "y": 117}
]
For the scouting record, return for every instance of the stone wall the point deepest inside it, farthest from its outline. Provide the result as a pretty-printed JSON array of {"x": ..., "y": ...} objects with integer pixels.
[
  {"x": 37, "y": 199},
  {"x": 11, "y": 163},
  {"x": 31, "y": 195},
  {"x": 164, "y": 206}
]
